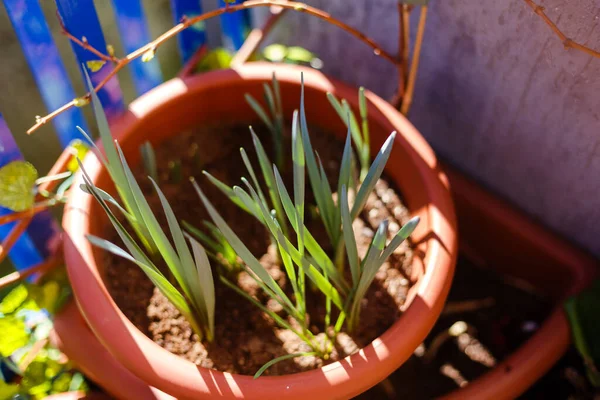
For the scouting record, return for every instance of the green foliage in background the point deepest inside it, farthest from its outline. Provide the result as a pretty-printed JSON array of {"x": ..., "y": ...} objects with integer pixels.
[
  {"x": 17, "y": 183},
  {"x": 583, "y": 312},
  {"x": 30, "y": 368}
]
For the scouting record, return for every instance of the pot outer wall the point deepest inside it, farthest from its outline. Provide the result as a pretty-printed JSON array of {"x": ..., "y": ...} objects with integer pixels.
[{"x": 217, "y": 96}]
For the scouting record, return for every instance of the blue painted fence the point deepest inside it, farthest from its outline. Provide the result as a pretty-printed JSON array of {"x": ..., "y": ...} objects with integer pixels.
[{"x": 80, "y": 19}]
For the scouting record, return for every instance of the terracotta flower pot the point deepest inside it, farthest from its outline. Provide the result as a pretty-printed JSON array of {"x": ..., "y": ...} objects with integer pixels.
[
  {"x": 78, "y": 396},
  {"x": 496, "y": 236},
  {"x": 217, "y": 96}
]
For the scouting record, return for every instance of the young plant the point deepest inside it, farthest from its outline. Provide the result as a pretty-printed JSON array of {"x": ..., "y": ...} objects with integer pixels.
[
  {"x": 193, "y": 291},
  {"x": 274, "y": 121},
  {"x": 113, "y": 165},
  {"x": 217, "y": 247},
  {"x": 360, "y": 133},
  {"x": 304, "y": 257},
  {"x": 196, "y": 298},
  {"x": 149, "y": 160}
]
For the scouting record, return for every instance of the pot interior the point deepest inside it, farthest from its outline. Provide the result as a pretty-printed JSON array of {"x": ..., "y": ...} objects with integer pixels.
[{"x": 155, "y": 119}]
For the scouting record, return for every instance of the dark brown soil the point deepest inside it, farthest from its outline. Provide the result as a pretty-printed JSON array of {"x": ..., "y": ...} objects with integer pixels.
[{"x": 245, "y": 337}]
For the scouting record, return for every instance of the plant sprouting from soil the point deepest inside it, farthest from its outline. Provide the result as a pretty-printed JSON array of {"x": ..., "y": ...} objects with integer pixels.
[
  {"x": 273, "y": 120},
  {"x": 217, "y": 247},
  {"x": 341, "y": 277},
  {"x": 301, "y": 254},
  {"x": 149, "y": 160},
  {"x": 188, "y": 284},
  {"x": 360, "y": 133}
]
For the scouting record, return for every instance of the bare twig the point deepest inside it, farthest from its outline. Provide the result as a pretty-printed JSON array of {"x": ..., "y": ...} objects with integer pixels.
[
  {"x": 153, "y": 45},
  {"x": 255, "y": 38},
  {"x": 36, "y": 209},
  {"x": 13, "y": 236},
  {"x": 405, "y": 45},
  {"x": 403, "y": 50},
  {"x": 568, "y": 43},
  {"x": 32, "y": 353},
  {"x": 412, "y": 74},
  {"x": 188, "y": 67},
  {"x": 44, "y": 266},
  {"x": 457, "y": 307},
  {"x": 85, "y": 44}
]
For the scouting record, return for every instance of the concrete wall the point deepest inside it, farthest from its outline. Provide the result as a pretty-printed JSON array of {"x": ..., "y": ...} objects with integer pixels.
[{"x": 497, "y": 95}]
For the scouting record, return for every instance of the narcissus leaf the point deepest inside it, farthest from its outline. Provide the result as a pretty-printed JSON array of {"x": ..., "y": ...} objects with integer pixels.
[{"x": 17, "y": 180}]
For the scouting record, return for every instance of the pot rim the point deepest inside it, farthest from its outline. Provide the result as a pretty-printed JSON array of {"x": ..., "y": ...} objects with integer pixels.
[{"x": 341, "y": 379}]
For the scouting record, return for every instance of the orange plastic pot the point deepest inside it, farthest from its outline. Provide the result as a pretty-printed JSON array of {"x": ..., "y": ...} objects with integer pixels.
[
  {"x": 75, "y": 339},
  {"x": 77, "y": 396},
  {"x": 218, "y": 96},
  {"x": 495, "y": 235}
]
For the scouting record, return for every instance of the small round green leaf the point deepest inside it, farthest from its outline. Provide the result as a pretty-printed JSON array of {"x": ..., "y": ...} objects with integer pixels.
[{"x": 17, "y": 181}]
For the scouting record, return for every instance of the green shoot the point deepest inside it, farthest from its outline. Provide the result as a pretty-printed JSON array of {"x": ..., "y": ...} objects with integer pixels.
[
  {"x": 282, "y": 358},
  {"x": 196, "y": 300},
  {"x": 284, "y": 215},
  {"x": 149, "y": 160},
  {"x": 217, "y": 247},
  {"x": 113, "y": 165},
  {"x": 274, "y": 119},
  {"x": 360, "y": 133},
  {"x": 175, "y": 173},
  {"x": 306, "y": 257}
]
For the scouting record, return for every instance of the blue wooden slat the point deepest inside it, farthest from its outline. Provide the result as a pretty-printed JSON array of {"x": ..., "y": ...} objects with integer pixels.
[
  {"x": 32, "y": 247},
  {"x": 46, "y": 65},
  {"x": 81, "y": 20},
  {"x": 195, "y": 36},
  {"x": 134, "y": 34},
  {"x": 235, "y": 27}
]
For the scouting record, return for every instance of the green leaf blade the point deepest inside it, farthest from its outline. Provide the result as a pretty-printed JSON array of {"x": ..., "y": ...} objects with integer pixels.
[
  {"x": 373, "y": 175},
  {"x": 349, "y": 239}
]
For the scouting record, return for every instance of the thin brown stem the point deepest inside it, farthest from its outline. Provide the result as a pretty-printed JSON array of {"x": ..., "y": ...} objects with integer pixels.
[
  {"x": 12, "y": 237},
  {"x": 405, "y": 15},
  {"x": 403, "y": 47},
  {"x": 42, "y": 267},
  {"x": 152, "y": 46},
  {"x": 568, "y": 43},
  {"x": 85, "y": 44},
  {"x": 36, "y": 209},
  {"x": 32, "y": 353},
  {"x": 255, "y": 38},
  {"x": 412, "y": 74},
  {"x": 188, "y": 67}
]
